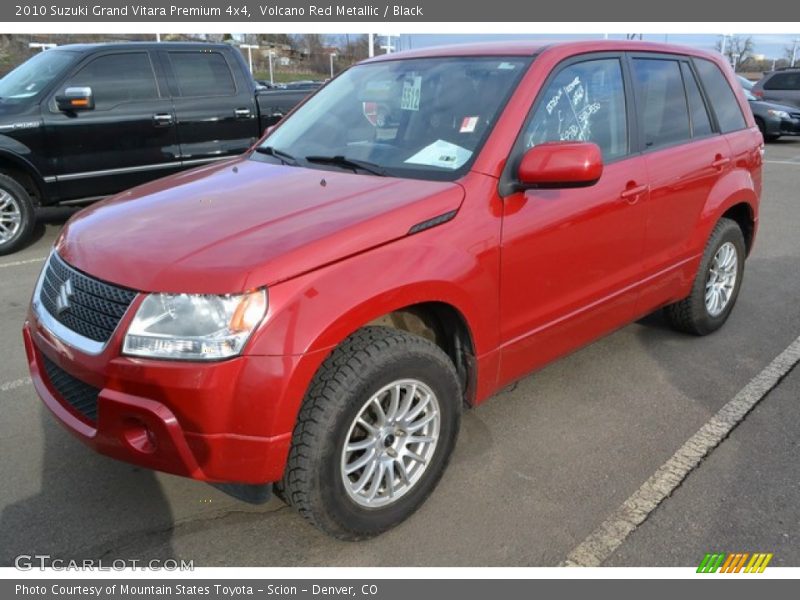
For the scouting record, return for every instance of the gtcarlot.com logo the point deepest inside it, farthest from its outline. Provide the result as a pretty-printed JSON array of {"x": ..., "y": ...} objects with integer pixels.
[
  {"x": 29, "y": 562},
  {"x": 734, "y": 562}
]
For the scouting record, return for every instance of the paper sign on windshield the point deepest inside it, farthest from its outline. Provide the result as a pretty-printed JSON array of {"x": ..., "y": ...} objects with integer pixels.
[
  {"x": 412, "y": 90},
  {"x": 441, "y": 154}
]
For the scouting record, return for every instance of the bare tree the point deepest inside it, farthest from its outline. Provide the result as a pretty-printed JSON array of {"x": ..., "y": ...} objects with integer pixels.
[
  {"x": 792, "y": 53},
  {"x": 736, "y": 48}
]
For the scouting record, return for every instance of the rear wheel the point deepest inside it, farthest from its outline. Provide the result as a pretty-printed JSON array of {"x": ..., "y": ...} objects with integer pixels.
[
  {"x": 374, "y": 434},
  {"x": 17, "y": 215},
  {"x": 716, "y": 285}
]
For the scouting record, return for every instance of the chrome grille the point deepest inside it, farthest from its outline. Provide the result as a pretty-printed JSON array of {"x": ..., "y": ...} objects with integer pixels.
[{"x": 83, "y": 304}]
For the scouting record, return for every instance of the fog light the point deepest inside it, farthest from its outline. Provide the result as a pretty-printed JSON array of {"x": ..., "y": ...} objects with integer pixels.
[{"x": 139, "y": 436}]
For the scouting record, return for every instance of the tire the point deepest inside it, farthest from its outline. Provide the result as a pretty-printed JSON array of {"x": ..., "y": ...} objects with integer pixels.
[
  {"x": 17, "y": 215},
  {"x": 373, "y": 360},
  {"x": 694, "y": 314},
  {"x": 763, "y": 129}
]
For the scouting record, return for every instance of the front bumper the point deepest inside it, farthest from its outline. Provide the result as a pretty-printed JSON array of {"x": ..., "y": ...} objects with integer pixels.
[
  {"x": 789, "y": 126},
  {"x": 217, "y": 422}
]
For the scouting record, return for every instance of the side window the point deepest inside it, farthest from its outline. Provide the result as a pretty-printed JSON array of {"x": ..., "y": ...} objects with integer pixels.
[
  {"x": 585, "y": 101},
  {"x": 117, "y": 78},
  {"x": 701, "y": 123},
  {"x": 661, "y": 100},
  {"x": 723, "y": 100},
  {"x": 202, "y": 74},
  {"x": 783, "y": 81}
]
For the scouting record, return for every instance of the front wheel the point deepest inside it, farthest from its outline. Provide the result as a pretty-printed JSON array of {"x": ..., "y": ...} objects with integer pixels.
[
  {"x": 374, "y": 434},
  {"x": 716, "y": 285},
  {"x": 17, "y": 215}
]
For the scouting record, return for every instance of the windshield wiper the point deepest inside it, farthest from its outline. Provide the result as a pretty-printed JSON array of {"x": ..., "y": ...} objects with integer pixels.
[
  {"x": 282, "y": 156},
  {"x": 348, "y": 163}
]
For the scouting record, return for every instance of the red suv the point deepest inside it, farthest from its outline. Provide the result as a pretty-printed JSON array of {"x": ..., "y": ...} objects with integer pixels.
[{"x": 317, "y": 313}]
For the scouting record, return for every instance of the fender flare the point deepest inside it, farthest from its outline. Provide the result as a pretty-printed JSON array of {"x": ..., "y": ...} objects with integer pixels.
[{"x": 22, "y": 164}]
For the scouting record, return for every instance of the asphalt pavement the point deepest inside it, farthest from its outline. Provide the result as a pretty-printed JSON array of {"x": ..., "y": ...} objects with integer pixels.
[{"x": 536, "y": 469}]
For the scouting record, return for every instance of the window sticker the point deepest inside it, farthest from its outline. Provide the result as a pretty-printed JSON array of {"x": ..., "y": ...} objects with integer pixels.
[
  {"x": 441, "y": 154},
  {"x": 571, "y": 106},
  {"x": 468, "y": 125},
  {"x": 412, "y": 90},
  {"x": 506, "y": 66}
]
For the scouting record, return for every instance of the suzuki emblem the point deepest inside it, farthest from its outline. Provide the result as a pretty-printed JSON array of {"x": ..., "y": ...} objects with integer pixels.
[{"x": 64, "y": 294}]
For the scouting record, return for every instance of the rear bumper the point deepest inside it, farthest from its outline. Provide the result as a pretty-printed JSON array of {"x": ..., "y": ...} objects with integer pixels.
[{"x": 150, "y": 429}]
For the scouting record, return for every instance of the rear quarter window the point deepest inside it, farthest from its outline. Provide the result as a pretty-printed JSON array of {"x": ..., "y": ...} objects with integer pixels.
[{"x": 719, "y": 92}]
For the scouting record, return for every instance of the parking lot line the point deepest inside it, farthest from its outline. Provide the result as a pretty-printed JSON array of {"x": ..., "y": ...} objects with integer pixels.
[
  {"x": 12, "y": 385},
  {"x": 605, "y": 540},
  {"x": 783, "y": 162},
  {"x": 22, "y": 262}
]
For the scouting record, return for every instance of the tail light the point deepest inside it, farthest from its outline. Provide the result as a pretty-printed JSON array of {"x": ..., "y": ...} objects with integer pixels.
[{"x": 758, "y": 94}]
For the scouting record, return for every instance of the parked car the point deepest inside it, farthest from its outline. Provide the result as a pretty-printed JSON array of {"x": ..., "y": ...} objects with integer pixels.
[
  {"x": 745, "y": 82},
  {"x": 774, "y": 120},
  {"x": 270, "y": 86},
  {"x": 318, "y": 312},
  {"x": 303, "y": 85},
  {"x": 80, "y": 122},
  {"x": 782, "y": 86}
]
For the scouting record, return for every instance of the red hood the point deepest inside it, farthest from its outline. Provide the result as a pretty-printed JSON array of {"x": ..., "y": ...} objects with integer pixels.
[{"x": 243, "y": 224}]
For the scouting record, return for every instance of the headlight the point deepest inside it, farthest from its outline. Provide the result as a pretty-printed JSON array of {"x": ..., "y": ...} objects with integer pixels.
[
  {"x": 779, "y": 114},
  {"x": 194, "y": 327}
]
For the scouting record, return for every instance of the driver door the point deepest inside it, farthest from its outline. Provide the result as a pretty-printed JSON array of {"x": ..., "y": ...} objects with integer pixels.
[
  {"x": 129, "y": 136},
  {"x": 570, "y": 258}
]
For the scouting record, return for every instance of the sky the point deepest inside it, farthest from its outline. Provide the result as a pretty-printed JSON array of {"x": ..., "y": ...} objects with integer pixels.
[{"x": 771, "y": 45}]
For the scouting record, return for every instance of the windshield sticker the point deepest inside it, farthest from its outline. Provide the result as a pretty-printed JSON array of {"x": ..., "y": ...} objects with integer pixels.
[
  {"x": 507, "y": 66},
  {"x": 468, "y": 124},
  {"x": 412, "y": 90},
  {"x": 441, "y": 154}
]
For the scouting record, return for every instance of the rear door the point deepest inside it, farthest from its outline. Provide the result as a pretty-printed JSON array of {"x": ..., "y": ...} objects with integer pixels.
[
  {"x": 214, "y": 105},
  {"x": 745, "y": 142},
  {"x": 685, "y": 156},
  {"x": 127, "y": 139}
]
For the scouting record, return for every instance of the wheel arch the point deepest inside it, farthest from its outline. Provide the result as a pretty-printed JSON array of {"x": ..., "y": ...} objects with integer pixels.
[
  {"x": 742, "y": 213},
  {"x": 18, "y": 168},
  {"x": 444, "y": 325},
  {"x": 735, "y": 197}
]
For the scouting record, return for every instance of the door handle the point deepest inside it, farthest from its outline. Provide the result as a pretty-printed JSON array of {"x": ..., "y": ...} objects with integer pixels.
[
  {"x": 631, "y": 194},
  {"x": 162, "y": 119},
  {"x": 242, "y": 113},
  {"x": 720, "y": 161}
]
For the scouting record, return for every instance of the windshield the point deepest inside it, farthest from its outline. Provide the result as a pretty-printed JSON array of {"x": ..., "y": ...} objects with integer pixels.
[
  {"x": 425, "y": 118},
  {"x": 31, "y": 77}
]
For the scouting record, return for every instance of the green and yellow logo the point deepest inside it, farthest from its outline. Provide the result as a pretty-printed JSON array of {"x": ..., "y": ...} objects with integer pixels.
[{"x": 723, "y": 562}]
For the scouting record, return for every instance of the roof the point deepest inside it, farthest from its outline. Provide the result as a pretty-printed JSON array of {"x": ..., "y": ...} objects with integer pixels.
[
  {"x": 138, "y": 46},
  {"x": 534, "y": 47}
]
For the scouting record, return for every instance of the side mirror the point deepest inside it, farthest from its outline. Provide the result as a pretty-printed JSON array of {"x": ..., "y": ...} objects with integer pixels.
[
  {"x": 75, "y": 99},
  {"x": 560, "y": 165}
]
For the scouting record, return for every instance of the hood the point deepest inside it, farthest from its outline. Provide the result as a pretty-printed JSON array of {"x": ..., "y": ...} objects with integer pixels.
[{"x": 243, "y": 224}]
